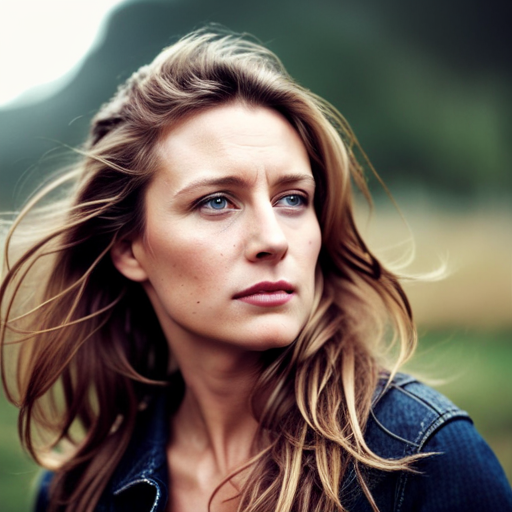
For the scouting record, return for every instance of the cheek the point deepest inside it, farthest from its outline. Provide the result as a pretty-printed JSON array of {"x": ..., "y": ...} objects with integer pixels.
[
  {"x": 184, "y": 264},
  {"x": 314, "y": 244}
]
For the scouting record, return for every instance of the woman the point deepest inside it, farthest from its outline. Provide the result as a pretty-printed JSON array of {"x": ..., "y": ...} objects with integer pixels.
[{"x": 200, "y": 325}]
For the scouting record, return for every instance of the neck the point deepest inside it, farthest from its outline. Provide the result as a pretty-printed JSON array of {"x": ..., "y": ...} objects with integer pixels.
[{"x": 215, "y": 416}]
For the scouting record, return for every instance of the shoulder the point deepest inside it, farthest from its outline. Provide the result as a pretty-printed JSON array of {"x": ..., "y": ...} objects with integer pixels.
[
  {"x": 461, "y": 472},
  {"x": 405, "y": 414}
]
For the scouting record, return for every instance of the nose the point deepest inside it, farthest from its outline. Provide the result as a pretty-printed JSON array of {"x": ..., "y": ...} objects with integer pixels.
[{"x": 266, "y": 240}]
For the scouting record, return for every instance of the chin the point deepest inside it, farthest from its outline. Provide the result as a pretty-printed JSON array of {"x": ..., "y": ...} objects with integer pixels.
[{"x": 271, "y": 339}]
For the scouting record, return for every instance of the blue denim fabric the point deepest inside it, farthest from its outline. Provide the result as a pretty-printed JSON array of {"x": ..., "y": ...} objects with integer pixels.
[{"x": 406, "y": 418}]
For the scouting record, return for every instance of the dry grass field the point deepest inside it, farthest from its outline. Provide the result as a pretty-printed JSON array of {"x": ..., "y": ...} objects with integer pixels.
[{"x": 476, "y": 247}]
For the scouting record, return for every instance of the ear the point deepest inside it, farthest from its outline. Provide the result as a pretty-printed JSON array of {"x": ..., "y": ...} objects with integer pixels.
[{"x": 125, "y": 261}]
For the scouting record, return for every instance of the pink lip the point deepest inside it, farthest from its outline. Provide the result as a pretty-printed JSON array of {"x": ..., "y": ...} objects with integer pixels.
[{"x": 267, "y": 294}]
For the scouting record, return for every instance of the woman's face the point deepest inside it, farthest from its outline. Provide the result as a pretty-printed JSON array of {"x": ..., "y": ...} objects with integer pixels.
[{"x": 231, "y": 240}]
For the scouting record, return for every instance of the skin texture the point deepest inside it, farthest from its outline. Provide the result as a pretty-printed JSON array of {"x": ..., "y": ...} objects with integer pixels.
[{"x": 230, "y": 207}]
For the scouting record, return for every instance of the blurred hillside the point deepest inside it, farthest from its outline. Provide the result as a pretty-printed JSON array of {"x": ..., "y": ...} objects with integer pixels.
[{"x": 426, "y": 86}]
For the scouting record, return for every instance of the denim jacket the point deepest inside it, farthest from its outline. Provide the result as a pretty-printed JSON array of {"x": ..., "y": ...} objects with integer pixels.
[{"x": 406, "y": 418}]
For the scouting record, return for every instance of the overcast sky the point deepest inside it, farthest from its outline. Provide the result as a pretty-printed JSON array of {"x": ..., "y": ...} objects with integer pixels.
[{"x": 42, "y": 42}]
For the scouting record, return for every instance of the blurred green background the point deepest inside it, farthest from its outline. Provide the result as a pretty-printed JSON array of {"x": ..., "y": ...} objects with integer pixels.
[{"x": 427, "y": 89}]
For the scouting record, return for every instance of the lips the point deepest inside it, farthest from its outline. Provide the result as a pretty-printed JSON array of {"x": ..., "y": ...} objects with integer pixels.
[
  {"x": 267, "y": 294},
  {"x": 266, "y": 287}
]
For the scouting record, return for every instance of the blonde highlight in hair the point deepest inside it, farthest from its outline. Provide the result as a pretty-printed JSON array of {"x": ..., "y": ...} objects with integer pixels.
[{"x": 85, "y": 354}]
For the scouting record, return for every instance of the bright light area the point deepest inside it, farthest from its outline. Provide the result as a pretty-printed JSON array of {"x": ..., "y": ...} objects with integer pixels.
[{"x": 42, "y": 41}]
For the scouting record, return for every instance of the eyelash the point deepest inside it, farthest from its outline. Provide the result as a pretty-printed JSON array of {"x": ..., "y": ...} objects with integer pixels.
[
  {"x": 303, "y": 200},
  {"x": 203, "y": 203}
]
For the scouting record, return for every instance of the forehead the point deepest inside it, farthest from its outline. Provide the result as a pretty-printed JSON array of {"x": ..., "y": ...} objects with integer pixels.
[{"x": 231, "y": 138}]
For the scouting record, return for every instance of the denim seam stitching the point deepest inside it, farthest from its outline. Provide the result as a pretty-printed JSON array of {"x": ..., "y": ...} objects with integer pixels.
[
  {"x": 439, "y": 410},
  {"x": 435, "y": 425},
  {"x": 414, "y": 443},
  {"x": 421, "y": 438},
  {"x": 147, "y": 481},
  {"x": 384, "y": 387},
  {"x": 422, "y": 401},
  {"x": 143, "y": 468},
  {"x": 395, "y": 436},
  {"x": 441, "y": 420},
  {"x": 402, "y": 481}
]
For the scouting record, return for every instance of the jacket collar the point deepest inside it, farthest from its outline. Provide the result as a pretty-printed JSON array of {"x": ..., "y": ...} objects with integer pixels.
[{"x": 143, "y": 475}]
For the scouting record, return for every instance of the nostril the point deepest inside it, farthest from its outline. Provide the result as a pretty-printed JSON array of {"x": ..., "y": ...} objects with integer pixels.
[{"x": 262, "y": 255}]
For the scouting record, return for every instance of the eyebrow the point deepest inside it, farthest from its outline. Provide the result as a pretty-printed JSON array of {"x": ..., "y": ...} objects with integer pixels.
[{"x": 236, "y": 181}]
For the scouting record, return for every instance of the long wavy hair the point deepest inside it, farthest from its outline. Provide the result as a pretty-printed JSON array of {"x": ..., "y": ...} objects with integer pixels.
[{"x": 82, "y": 347}]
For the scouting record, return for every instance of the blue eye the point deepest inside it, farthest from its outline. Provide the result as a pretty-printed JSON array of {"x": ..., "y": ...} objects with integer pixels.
[
  {"x": 293, "y": 200},
  {"x": 216, "y": 203}
]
